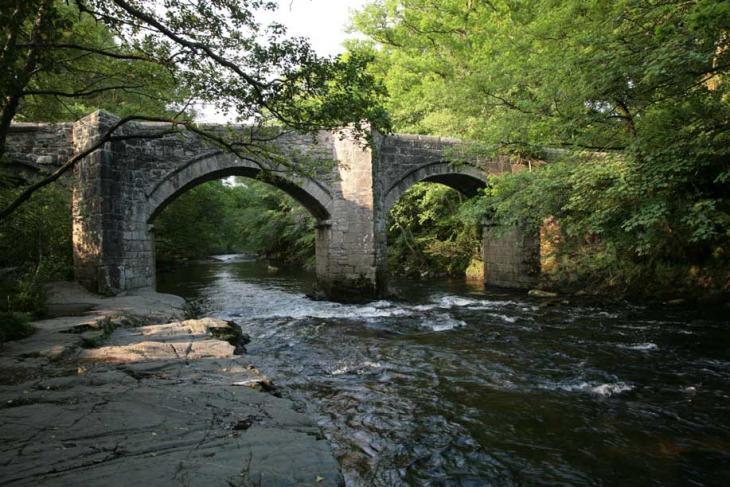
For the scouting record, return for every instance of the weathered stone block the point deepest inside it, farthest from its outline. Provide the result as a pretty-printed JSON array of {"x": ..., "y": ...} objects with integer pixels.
[{"x": 511, "y": 257}]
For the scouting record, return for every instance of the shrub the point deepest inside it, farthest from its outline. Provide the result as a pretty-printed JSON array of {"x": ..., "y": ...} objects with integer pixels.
[{"x": 14, "y": 326}]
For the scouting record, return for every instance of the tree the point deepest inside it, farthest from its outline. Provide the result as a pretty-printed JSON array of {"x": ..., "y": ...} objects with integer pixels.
[
  {"x": 158, "y": 58},
  {"x": 548, "y": 73},
  {"x": 272, "y": 224},
  {"x": 641, "y": 82}
]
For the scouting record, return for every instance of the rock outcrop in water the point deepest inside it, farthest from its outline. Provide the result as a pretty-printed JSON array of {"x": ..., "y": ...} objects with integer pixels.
[
  {"x": 161, "y": 404},
  {"x": 539, "y": 293}
]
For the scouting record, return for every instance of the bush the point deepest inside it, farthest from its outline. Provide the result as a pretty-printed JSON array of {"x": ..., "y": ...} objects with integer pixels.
[
  {"x": 14, "y": 326},
  {"x": 605, "y": 235},
  {"x": 427, "y": 235},
  {"x": 35, "y": 248}
]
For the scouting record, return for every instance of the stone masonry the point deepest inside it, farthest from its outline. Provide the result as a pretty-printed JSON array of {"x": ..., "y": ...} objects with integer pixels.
[
  {"x": 348, "y": 186},
  {"x": 511, "y": 257}
]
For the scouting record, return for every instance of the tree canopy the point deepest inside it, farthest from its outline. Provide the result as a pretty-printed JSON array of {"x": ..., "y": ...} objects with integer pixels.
[
  {"x": 629, "y": 98},
  {"x": 633, "y": 93},
  {"x": 562, "y": 73},
  {"x": 157, "y": 60}
]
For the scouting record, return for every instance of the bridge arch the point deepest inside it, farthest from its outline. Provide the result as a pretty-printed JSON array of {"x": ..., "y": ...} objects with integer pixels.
[
  {"x": 314, "y": 196},
  {"x": 464, "y": 178},
  {"x": 120, "y": 187}
]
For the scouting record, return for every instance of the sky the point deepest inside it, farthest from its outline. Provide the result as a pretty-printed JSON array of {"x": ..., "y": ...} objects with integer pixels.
[{"x": 322, "y": 21}]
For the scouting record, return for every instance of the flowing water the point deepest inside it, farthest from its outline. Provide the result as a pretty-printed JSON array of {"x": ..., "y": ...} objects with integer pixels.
[{"x": 454, "y": 385}]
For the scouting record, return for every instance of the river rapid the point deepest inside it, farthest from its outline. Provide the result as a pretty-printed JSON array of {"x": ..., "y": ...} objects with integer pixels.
[{"x": 455, "y": 385}]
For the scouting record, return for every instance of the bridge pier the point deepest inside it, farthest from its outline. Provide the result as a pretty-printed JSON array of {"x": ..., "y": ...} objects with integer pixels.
[
  {"x": 113, "y": 247},
  {"x": 348, "y": 259},
  {"x": 511, "y": 256}
]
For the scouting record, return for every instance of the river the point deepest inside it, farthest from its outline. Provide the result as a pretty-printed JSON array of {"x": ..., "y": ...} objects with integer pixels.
[{"x": 455, "y": 385}]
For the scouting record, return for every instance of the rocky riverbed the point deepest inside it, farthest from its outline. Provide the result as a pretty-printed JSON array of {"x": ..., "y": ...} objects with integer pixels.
[{"x": 129, "y": 393}]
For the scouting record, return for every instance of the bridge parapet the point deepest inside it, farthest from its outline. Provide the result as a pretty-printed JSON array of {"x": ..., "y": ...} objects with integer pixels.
[{"x": 37, "y": 148}]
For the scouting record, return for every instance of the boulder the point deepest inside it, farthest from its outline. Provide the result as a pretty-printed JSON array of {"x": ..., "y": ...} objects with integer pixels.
[{"x": 539, "y": 293}]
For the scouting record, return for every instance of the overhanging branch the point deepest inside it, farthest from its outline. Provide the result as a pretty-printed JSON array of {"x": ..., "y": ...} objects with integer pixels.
[{"x": 79, "y": 94}]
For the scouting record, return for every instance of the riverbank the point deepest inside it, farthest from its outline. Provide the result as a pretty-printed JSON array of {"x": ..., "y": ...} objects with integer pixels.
[{"x": 121, "y": 391}]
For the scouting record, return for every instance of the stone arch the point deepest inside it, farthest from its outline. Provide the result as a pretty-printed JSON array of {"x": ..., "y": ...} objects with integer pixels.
[
  {"x": 311, "y": 194},
  {"x": 121, "y": 186},
  {"x": 464, "y": 178}
]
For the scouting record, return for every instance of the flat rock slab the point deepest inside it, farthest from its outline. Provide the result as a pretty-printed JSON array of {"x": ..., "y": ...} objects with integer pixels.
[
  {"x": 107, "y": 428},
  {"x": 150, "y": 350},
  {"x": 181, "y": 340},
  {"x": 66, "y": 298},
  {"x": 155, "y": 405}
]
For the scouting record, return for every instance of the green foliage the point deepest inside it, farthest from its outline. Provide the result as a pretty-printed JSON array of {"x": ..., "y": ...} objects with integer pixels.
[
  {"x": 518, "y": 74},
  {"x": 29, "y": 293},
  {"x": 63, "y": 58},
  {"x": 250, "y": 216},
  {"x": 198, "y": 223},
  {"x": 14, "y": 326},
  {"x": 426, "y": 236},
  {"x": 641, "y": 85},
  {"x": 119, "y": 85},
  {"x": 608, "y": 237},
  {"x": 35, "y": 248},
  {"x": 38, "y": 231},
  {"x": 276, "y": 226}
]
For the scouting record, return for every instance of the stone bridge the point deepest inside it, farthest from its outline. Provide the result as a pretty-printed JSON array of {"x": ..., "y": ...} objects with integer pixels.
[{"x": 120, "y": 188}]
